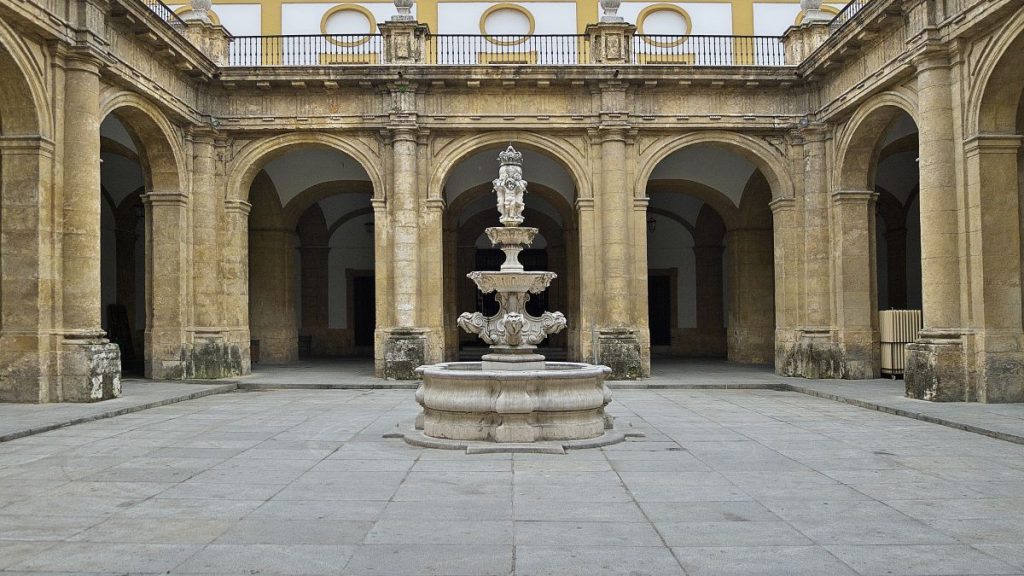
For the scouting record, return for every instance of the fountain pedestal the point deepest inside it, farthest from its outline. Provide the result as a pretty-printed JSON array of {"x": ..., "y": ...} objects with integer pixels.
[{"x": 513, "y": 400}]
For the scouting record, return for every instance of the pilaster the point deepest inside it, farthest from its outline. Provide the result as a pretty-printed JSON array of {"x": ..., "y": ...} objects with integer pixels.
[
  {"x": 234, "y": 272},
  {"x": 611, "y": 42},
  {"x": 853, "y": 238}
]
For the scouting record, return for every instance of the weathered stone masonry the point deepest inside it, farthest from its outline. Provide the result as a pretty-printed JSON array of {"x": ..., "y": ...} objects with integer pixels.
[{"x": 812, "y": 130}]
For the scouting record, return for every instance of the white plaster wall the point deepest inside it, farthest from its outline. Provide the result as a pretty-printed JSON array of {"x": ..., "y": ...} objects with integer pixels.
[
  {"x": 706, "y": 18},
  {"x": 772, "y": 19},
  {"x": 297, "y": 171},
  {"x": 720, "y": 169},
  {"x": 304, "y": 18},
  {"x": 238, "y": 19},
  {"x": 671, "y": 246},
  {"x": 464, "y": 17},
  {"x": 351, "y": 248}
]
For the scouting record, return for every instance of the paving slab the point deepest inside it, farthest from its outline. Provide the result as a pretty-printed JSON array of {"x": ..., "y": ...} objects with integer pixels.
[
  {"x": 831, "y": 488},
  {"x": 20, "y": 420}
]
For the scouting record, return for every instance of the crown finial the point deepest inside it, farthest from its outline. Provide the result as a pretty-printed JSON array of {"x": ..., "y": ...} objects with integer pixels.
[{"x": 510, "y": 156}]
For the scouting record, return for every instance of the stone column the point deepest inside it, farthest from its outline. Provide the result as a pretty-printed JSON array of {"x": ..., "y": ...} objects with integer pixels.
[
  {"x": 995, "y": 265},
  {"x": 590, "y": 266},
  {"x": 935, "y": 363},
  {"x": 619, "y": 347},
  {"x": 91, "y": 365},
  {"x": 406, "y": 346},
  {"x": 856, "y": 281},
  {"x": 751, "y": 303},
  {"x": 272, "y": 296},
  {"x": 382, "y": 282},
  {"x": 167, "y": 271},
  {"x": 234, "y": 267},
  {"x": 211, "y": 352},
  {"x": 816, "y": 354},
  {"x": 315, "y": 296},
  {"x": 709, "y": 270}
]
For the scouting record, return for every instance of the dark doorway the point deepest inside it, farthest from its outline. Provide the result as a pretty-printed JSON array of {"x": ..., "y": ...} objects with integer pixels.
[
  {"x": 659, "y": 307},
  {"x": 364, "y": 310}
]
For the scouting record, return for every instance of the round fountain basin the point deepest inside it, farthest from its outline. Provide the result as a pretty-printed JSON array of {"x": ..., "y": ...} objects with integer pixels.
[{"x": 462, "y": 401}]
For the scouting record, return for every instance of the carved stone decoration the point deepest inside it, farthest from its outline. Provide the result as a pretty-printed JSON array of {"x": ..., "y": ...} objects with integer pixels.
[
  {"x": 609, "y": 11},
  {"x": 404, "y": 8},
  {"x": 199, "y": 11},
  {"x": 510, "y": 187},
  {"x": 813, "y": 12},
  {"x": 513, "y": 396}
]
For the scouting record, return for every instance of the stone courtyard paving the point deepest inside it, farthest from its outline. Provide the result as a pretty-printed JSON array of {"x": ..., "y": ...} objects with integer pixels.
[{"x": 302, "y": 482}]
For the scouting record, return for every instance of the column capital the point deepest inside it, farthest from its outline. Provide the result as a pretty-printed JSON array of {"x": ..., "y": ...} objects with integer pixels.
[
  {"x": 436, "y": 204},
  {"x": 779, "y": 205},
  {"x": 165, "y": 199},
  {"x": 585, "y": 204},
  {"x": 854, "y": 196},
  {"x": 994, "y": 143},
  {"x": 83, "y": 60},
  {"x": 401, "y": 133},
  {"x": 379, "y": 205},
  {"x": 931, "y": 57},
  {"x": 237, "y": 207},
  {"x": 641, "y": 204}
]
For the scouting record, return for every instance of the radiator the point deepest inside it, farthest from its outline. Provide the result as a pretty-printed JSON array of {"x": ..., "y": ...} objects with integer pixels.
[{"x": 897, "y": 328}]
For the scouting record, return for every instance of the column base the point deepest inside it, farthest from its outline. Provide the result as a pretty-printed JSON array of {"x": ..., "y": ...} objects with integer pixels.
[
  {"x": 935, "y": 369},
  {"x": 619, "y": 349},
  {"x": 90, "y": 369},
  {"x": 405, "y": 349},
  {"x": 214, "y": 356},
  {"x": 816, "y": 355}
]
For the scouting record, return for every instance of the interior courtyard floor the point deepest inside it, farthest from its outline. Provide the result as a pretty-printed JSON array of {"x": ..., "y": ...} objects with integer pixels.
[{"x": 741, "y": 481}]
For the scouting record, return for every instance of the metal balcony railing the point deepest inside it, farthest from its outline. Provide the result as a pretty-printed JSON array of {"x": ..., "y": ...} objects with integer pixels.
[
  {"x": 709, "y": 50},
  {"x": 164, "y": 12},
  {"x": 846, "y": 14},
  {"x": 477, "y": 49},
  {"x": 469, "y": 49},
  {"x": 306, "y": 50}
]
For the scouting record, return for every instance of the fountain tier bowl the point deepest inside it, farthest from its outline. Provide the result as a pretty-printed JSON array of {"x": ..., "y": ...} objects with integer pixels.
[{"x": 560, "y": 404}]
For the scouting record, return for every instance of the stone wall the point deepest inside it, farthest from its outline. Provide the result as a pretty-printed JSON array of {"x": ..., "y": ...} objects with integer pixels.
[{"x": 207, "y": 131}]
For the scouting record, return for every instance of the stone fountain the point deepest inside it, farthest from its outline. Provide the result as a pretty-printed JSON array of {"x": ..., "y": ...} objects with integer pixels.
[{"x": 513, "y": 400}]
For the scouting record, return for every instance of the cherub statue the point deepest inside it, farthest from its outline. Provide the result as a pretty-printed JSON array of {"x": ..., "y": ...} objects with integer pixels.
[{"x": 510, "y": 187}]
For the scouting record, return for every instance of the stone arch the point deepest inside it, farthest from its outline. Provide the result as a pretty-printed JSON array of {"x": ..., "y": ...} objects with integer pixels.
[
  {"x": 160, "y": 151},
  {"x": 770, "y": 161},
  {"x": 996, "y": 94},
  {"x": 25, "y": 106},
  {"x": 255, "y": 155},
  {"x": 449, "y": 156},
  {"x": 857, "y": 147}
]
